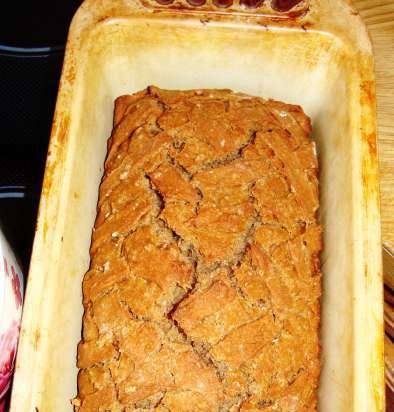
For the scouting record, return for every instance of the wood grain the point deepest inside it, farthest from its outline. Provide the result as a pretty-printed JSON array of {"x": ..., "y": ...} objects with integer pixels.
[{"x": 379, "y": 17}]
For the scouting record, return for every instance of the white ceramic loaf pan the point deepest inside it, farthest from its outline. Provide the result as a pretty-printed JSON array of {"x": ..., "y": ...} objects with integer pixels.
[{"x": 317, "y": 55}]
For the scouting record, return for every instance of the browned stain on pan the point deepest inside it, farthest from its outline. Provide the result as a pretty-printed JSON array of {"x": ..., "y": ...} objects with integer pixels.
[
  {"x": 370, "y": 159},
  {"x": 369, "y": 175},
  {"x": 368, "y": 92},
  {"x": 46, "y": 187},
  {"x": 103, "y": 18},
  {"x": 70, "y": 74},
  {"x": 378, "y": 370},
  {"x": 49, "y": 169},
  {"x": 45, "y": 229},
  {"x": 59, "y": 133},
  {"x": 371, "y": 141},
  {"x": 69, "y": 71},
  {"x": 60, "y": 129},
  {"x": 36, "y": 339}
]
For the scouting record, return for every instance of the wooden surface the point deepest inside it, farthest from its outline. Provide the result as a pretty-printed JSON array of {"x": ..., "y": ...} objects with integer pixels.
[{"x": 379, "y": 17}]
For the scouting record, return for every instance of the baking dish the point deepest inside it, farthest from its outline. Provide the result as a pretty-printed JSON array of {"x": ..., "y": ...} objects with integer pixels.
[{"x": 316, "y": 54}]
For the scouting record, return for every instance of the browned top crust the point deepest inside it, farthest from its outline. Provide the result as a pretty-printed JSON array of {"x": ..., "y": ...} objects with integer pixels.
[{"x": 204, "y": 284}]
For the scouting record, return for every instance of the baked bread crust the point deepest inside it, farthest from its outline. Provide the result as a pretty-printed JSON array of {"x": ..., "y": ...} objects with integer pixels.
[{"x": 204, "y": 284}]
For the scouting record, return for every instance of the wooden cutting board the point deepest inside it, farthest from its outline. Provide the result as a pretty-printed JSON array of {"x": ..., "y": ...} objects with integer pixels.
[{"x": 379, "y": 17}]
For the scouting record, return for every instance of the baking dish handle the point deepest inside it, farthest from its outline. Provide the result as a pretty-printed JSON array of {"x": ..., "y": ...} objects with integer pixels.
[{"x": 272, "y": 9}]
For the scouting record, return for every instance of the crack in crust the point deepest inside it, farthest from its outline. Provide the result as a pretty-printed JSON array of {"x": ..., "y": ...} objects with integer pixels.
[{"x": 204, "y": 286}]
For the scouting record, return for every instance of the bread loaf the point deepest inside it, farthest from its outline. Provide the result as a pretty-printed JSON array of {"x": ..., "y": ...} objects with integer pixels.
[{"x": 204, "y": 283}]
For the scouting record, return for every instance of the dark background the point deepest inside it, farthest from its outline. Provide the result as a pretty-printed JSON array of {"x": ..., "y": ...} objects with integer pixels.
[
  {"x": 33, "y": 35},
  {"x": 39, "y": 23}
]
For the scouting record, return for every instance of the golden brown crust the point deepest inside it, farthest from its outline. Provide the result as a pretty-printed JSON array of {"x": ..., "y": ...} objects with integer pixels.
[{"x": 204, "y": 284}]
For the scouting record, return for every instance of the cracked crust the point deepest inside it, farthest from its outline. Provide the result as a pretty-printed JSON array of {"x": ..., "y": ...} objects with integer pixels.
[{"x": 204, "y": 284}]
